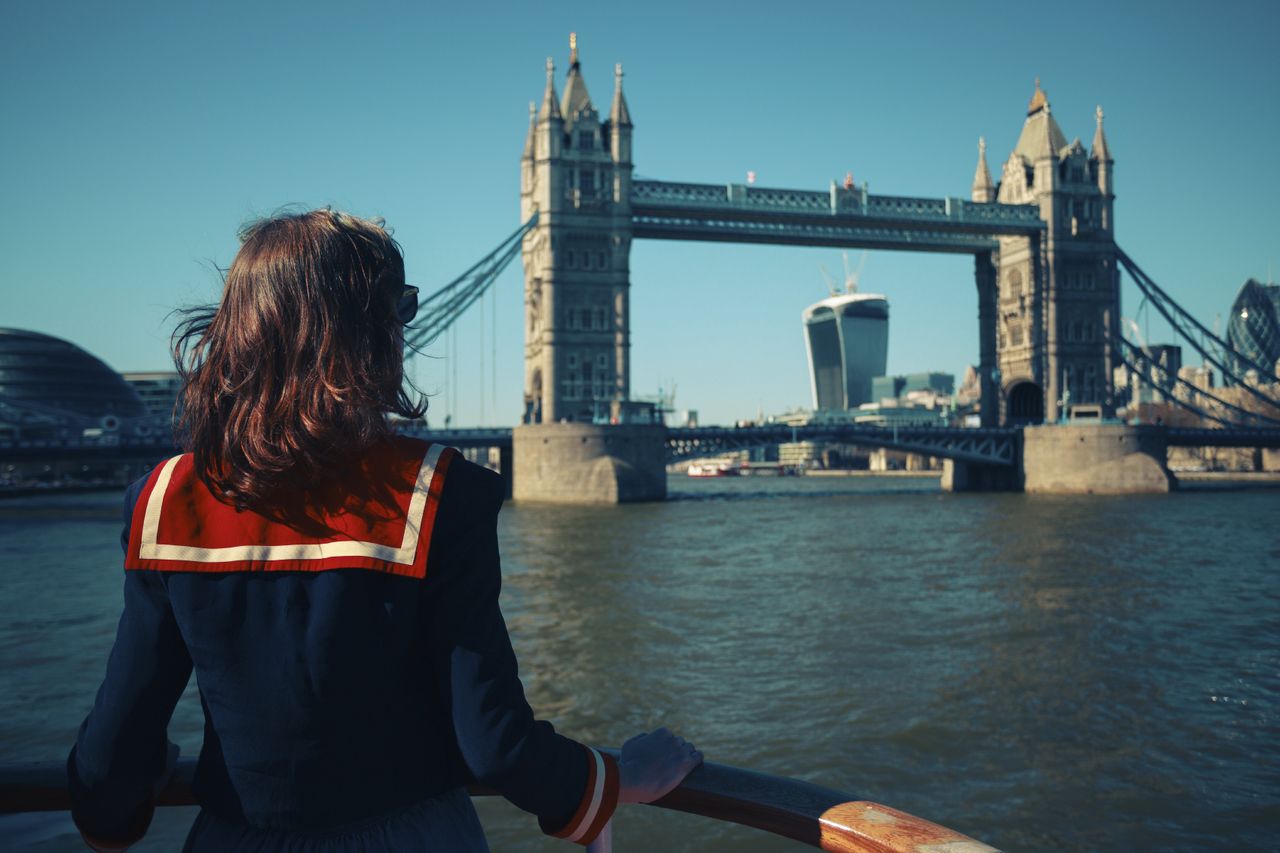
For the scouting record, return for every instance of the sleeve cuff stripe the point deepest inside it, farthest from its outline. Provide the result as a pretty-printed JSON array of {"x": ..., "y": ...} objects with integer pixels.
[
  {"x": 612, "y": 784},
  {"x": 599, "y": 800},
  {"x": 597, "y": 794}
]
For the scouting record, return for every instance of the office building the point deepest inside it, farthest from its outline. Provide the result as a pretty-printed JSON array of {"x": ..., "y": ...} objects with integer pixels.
[
  {"x": 158, "y": 390},
  {"x": 1254, "y": 329},
  {"x": 847, "y": 339}
]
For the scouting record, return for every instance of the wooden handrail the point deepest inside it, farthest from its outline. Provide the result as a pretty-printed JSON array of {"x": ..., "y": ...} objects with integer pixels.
[{"x": 817, "y": 816}]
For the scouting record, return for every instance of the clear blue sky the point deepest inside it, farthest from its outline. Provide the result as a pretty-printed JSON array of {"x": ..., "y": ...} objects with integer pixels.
[{"x": 137, "y": 137}]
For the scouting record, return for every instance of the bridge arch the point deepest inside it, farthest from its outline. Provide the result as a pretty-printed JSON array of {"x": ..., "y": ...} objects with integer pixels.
[{"x": 1025, "y": 403}]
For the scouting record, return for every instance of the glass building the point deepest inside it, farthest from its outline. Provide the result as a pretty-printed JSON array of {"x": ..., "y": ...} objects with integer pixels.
[
  {"x": 158, "y": 390},
  {"x": 1254, "y": 328},
  {"x": 892, "y": 387},
  {"x": 847, "y": 338},
  {"x": 50, "y": 388}
]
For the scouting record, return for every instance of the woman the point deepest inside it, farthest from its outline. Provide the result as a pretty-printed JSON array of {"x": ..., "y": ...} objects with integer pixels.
[{"x": 334, "y": 587}]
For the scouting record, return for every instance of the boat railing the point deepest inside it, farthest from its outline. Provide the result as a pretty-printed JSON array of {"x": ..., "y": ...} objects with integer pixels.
[{"x": 811, "y": 814}]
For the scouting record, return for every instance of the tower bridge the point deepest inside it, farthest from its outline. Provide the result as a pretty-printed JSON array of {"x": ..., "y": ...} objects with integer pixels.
[
  {"x": 1042, "y": 239},
  {"x": 1046, "y": 276}
]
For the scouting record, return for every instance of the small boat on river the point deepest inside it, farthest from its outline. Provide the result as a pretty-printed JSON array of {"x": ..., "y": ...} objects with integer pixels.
[{"x": 714, "y": 468}]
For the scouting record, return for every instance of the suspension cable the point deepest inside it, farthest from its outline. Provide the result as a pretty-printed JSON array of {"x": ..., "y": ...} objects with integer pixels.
[
  {"x": 1168, "y": 309},
  {"x": 1193, "y": 390},
  {"x": 444, "y": 306}
]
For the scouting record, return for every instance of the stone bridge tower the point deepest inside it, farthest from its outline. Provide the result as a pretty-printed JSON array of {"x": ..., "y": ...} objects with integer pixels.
[
  {"x": 1057, "y": 299},
  {"x": 575, "y": 174}
]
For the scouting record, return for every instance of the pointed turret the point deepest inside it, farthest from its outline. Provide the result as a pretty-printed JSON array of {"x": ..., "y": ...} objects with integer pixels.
[
  {"x": 550, "y": 103},
  {"x": 1041, "y": 136},
  {"x": 576, "y": 99},
  {"x": 529, "y": 137},
  {"x": 619, "y": 124},
  {"x": 984, "y": 190},
  {"x": 548, "y": 129},
  {"x": 1099, "y": 150},
  {"x": 1039, "y": 100},
  {"x": 1102, "y": 166},
  {"x": 619, "y": 115}
]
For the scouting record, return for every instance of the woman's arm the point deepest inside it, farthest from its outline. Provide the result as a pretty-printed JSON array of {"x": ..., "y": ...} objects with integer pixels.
[
  {"x": 122, "y": 751},
  {"x": 573, "y": 789}
]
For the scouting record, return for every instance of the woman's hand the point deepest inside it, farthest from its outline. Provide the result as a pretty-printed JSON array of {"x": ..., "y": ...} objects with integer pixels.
[{"x": 653, "y": 764}]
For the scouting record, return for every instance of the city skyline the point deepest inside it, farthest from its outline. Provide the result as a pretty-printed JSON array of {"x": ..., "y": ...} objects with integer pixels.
[{"x": 151, "y": 135}]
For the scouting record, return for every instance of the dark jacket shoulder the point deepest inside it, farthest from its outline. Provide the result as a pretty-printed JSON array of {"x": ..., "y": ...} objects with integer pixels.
[{"x": 469, "y": 503}]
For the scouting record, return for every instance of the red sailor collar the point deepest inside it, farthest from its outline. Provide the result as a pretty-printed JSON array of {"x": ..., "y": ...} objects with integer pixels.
[{"x": 384, "y": 524}]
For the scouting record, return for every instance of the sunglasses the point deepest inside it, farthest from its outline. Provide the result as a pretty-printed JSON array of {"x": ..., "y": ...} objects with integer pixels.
[{"x": 407, "y": 304}]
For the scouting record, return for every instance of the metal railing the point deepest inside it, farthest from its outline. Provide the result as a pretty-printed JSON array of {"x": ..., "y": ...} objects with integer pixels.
[{"x": 810, "y": 814}]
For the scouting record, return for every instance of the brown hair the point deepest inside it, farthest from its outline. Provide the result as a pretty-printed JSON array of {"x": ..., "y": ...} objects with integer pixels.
[{"x": 293, "y": 373}]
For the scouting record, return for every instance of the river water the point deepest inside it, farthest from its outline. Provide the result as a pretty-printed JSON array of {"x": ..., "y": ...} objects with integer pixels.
[{"x": 1043, "y": 673}]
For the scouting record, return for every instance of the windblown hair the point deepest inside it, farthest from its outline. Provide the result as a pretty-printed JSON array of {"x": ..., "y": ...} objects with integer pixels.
[{"x": 291, "y": 376}]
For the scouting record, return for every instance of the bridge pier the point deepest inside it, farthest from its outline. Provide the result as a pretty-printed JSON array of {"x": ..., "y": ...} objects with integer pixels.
[
  {"x": 1068, "y": 459},
  {"x": 1095, "y": 459},
  {"x": 583, "y": 463}
]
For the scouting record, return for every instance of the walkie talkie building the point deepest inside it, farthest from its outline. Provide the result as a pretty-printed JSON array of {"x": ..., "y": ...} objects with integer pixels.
[{"x": 847, "y": 337}]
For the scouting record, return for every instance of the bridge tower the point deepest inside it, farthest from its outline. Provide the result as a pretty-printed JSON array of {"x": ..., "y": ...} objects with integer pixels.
[
  {"x": 1057, "y": 298},
  {"x": 575, "y": 174}
]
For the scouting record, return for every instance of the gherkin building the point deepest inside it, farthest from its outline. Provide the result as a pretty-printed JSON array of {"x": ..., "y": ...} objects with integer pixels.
[{"x": 1254, "y": 329}]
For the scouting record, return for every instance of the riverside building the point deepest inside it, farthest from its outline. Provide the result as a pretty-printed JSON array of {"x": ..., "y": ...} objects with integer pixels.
[{"x": 158, "y": 390}]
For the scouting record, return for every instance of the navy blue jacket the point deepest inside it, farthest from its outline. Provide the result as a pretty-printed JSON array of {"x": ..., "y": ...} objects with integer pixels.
[{"x": 331, "y": 696}]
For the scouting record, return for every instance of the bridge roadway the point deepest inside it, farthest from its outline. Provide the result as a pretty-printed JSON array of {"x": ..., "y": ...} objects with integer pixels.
[
  {"x": 991, "y": 446},
  {"x": 852, "y": 218}
]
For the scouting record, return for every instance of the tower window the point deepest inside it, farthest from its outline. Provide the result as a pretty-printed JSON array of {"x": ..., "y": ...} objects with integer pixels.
[{"x": 586, "y": 139}]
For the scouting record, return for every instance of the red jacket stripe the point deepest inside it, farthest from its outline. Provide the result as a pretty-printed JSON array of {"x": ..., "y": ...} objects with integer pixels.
[{"x": 384, "y": 524}]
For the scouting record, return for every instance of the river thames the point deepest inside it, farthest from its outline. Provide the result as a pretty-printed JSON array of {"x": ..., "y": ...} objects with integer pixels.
[{"x": 1042, "y": 673}]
